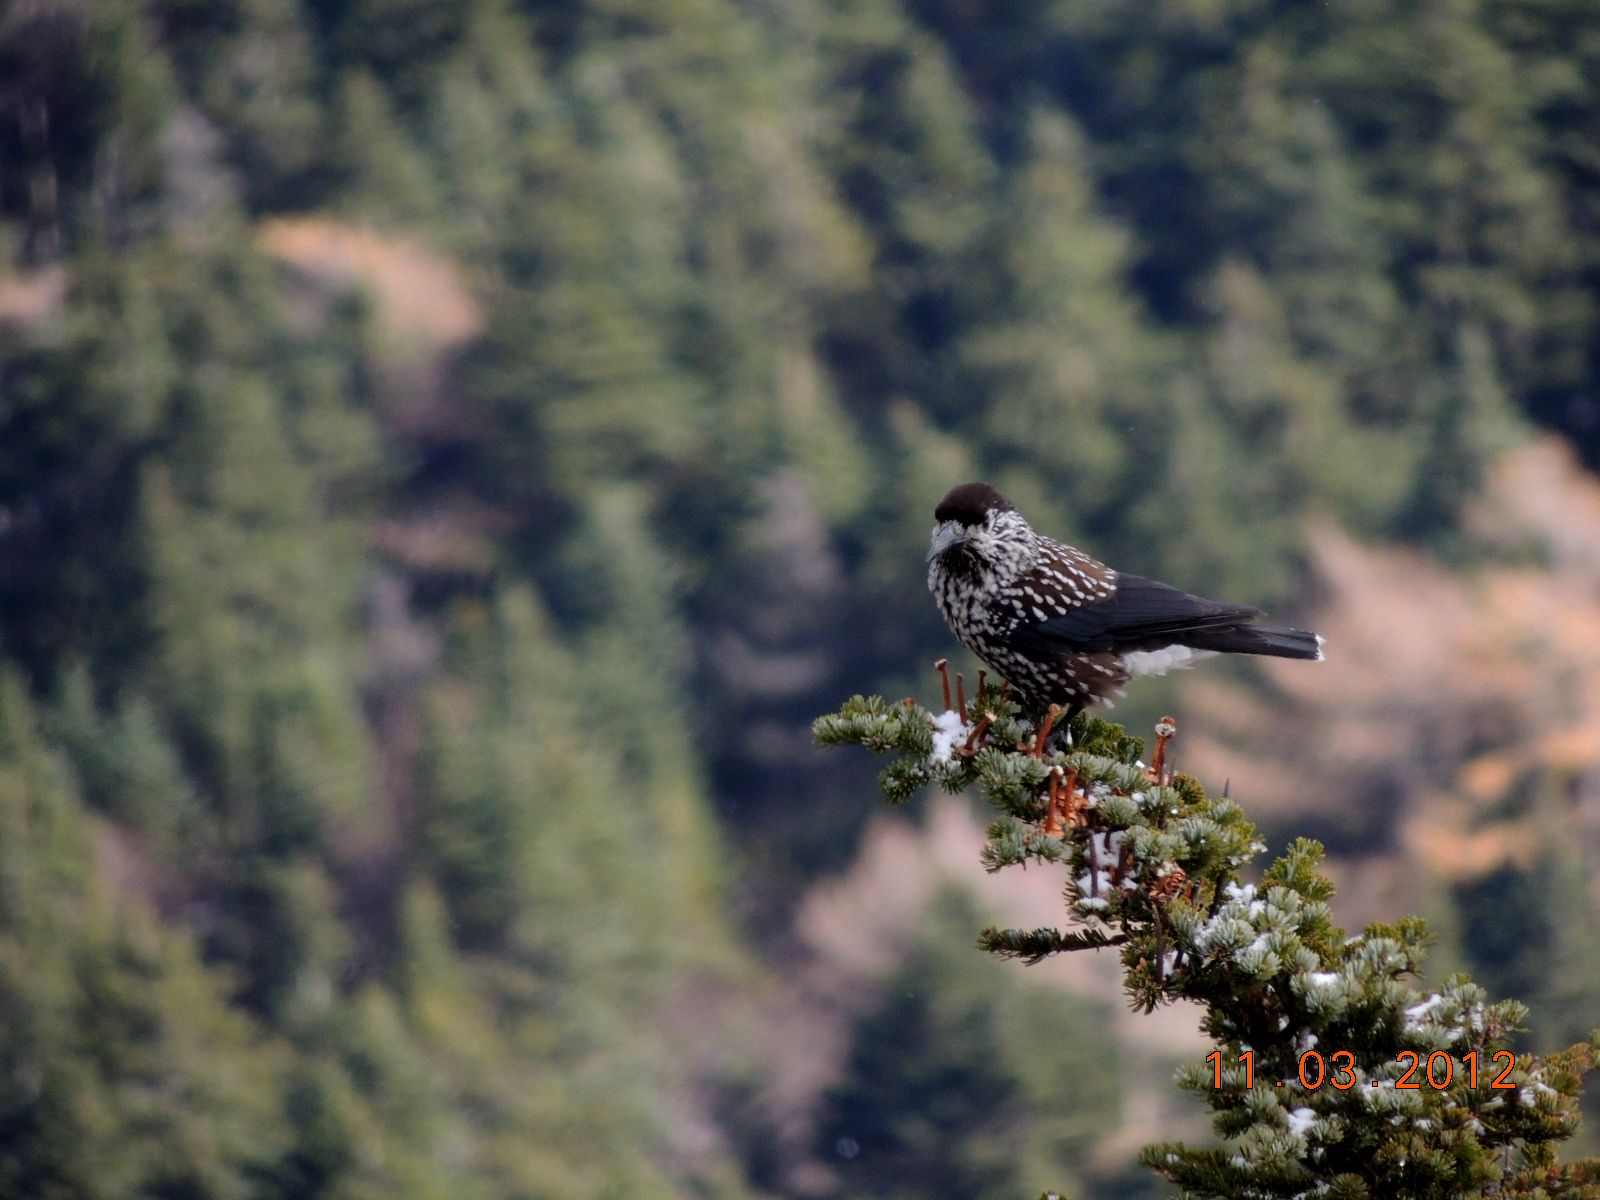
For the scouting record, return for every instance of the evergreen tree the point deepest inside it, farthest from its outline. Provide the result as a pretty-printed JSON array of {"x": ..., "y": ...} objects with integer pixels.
[
  {"x": 127, "y": 1072},
  {"x": 961, "y": 1083},
  {"x": 1309, "y": 1082}
]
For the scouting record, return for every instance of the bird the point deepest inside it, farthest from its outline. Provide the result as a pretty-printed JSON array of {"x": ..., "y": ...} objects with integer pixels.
[{"x": 1064, "y": 628}]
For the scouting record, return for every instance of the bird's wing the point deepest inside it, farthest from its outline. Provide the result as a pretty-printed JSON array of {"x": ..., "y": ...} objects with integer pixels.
[{"x": 1139, "y": 613}]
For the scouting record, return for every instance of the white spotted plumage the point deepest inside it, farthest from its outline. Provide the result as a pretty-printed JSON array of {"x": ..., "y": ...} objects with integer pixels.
[
  {"x": 1063, "y": 627},
  {"x": 981, "y": 596}
]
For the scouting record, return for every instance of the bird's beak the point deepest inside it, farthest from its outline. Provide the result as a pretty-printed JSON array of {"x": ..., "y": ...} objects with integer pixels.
[{"x": 945, "y": 536}]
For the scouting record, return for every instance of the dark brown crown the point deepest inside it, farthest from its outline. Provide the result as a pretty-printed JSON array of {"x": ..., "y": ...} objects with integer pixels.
[{"x": 968, "y": 503}]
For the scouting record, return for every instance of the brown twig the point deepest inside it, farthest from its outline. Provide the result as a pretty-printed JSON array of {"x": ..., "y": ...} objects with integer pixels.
[
  {"x": 961, "y": 696},
  {"x": 1165, "y": 729},
  {"x": 981, "y": 675},
  {"x": 1124, "y": 864},
  {"x": 1071, "y": 808},
  {"x": 1044, "y": 730},
  {"x": 1064, "y": 810},
  {"x": 978, "y": 731},
  {"x": 1051, "y": 825},
  {"x": 943, "y": 667}
]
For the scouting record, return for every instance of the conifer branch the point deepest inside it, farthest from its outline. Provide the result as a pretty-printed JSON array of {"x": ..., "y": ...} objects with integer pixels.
[
  {"x": 1036, "y": 945},
  {"x": 1154, "y": 866}
]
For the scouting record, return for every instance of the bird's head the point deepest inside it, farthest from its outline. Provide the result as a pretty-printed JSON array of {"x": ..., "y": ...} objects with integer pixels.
[{"x": 976, "y": 523}]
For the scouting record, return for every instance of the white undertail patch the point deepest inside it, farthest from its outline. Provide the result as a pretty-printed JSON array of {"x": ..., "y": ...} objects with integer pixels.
[{"x": 1139, "y": 663}]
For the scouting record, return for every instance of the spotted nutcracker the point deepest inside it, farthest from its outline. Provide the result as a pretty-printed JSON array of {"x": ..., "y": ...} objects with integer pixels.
[{"x": 1063, "y": 628}]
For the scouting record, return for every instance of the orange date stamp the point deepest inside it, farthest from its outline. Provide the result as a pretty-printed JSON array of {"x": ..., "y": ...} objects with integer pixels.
[{"x": 1338, "y": 1070}]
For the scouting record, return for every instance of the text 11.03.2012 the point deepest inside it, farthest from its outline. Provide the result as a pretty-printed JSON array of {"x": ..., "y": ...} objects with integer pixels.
[{"x": 1338, "y": 1070}]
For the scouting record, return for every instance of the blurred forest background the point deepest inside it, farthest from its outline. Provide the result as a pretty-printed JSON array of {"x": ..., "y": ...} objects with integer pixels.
[{"x": 449, "y": 451}]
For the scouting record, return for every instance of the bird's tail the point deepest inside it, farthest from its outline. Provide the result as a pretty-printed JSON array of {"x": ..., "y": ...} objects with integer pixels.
[{"x": 1260, "y": 639}]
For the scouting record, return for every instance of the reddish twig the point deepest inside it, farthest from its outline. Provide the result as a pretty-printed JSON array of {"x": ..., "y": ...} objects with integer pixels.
[
  {"x": 1065, "y": 809},
  {"x": 943, "y": 667},
  {"x": 978, "y": 731},
  {"x": 1044, "y": 730},
  {"x": 1165, "y": 729},
  {"x": 1051, "y": 825},
  {"x": 1071, "y": 809},
  {"x": 961, "y": 696}
]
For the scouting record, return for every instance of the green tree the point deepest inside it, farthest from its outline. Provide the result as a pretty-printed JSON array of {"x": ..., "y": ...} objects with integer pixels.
[
  {"x": 127, "y": 1070},
  {"x": 1154, "y": 867},
  {"x": 965, "y": 1081}
]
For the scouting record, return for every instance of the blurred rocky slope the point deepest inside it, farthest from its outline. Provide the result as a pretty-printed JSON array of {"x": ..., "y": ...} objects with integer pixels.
[{"x": 1447, "y": 751}]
